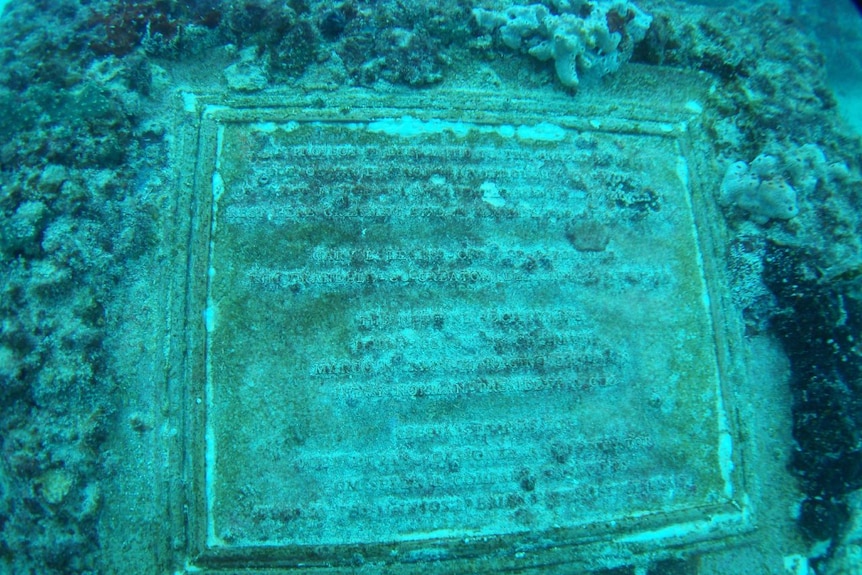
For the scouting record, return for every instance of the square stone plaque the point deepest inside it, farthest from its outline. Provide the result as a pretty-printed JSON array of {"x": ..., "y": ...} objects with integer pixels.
[{"x": 456, "y": 332}]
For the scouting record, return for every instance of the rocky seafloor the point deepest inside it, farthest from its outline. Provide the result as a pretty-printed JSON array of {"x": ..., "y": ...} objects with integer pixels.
[{"x": 84, "y": 162}]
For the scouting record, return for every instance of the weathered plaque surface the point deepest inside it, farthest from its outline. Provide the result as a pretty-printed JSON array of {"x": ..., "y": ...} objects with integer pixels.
[{"x": 435, "y": 335}]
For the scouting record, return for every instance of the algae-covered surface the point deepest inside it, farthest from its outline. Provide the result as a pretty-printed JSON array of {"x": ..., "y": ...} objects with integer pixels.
[{"x": 468, "y": 286}]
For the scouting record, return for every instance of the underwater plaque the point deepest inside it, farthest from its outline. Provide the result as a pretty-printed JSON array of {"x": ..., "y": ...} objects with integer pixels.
[{"x": 422, "y": 333}]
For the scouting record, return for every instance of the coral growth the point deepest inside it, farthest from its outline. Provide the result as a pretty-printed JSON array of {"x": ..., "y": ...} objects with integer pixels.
[
  {"x": 582, "y": 37},
  {"x": 121, "y": 27},
  {"x": 759, "y": 190}
]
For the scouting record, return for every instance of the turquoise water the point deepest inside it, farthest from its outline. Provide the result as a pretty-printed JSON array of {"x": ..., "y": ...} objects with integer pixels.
[{"x": 453, "y": 287}]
